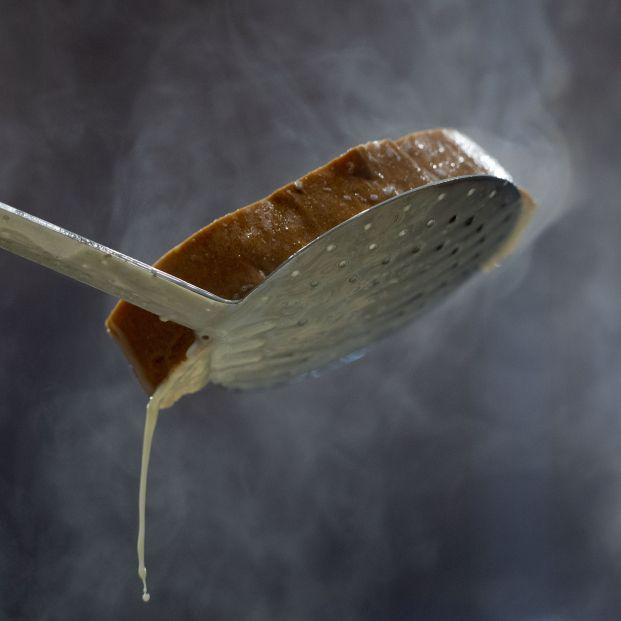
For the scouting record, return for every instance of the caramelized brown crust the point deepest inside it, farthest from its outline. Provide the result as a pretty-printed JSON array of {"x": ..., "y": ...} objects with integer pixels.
[{"x": 235, "y": 253}]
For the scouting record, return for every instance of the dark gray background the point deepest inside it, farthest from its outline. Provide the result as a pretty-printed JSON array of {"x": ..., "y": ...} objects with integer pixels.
[{"x": 468, "y": 468}]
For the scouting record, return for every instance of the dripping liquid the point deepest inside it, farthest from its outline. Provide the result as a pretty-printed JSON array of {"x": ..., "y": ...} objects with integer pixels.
[
  {"x": 186, "y": 378},
  {"x": 153, "y": 411}
]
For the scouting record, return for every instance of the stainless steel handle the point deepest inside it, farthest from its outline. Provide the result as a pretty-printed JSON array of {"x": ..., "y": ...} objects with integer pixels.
[{"x": 105, "y": 269}]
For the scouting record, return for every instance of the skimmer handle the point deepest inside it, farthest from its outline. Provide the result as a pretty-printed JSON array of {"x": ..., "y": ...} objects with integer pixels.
[{"x": 109, "y": 271}]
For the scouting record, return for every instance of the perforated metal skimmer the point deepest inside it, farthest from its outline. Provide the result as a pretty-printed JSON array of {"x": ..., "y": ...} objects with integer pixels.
[
  {"x": 363, "y": 279},
  {"x": 357, "y": 282}
]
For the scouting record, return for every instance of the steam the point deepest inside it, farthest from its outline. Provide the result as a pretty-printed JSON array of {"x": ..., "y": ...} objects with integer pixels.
[{"x": 458, "y": 471}]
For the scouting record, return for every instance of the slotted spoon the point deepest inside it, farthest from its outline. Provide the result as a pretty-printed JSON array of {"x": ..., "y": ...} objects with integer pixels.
[{"x": 358, "y": 281}]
